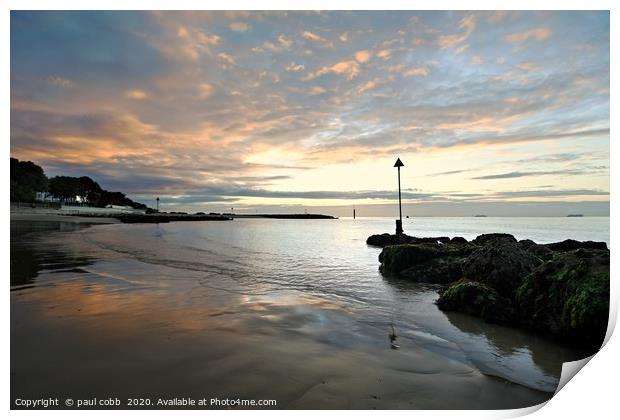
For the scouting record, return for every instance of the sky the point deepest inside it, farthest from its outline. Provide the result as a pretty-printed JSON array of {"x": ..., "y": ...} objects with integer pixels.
[{"x": 501, "y": 113}]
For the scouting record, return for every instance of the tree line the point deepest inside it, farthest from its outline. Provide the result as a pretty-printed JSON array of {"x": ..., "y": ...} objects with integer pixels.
[{"x": 28, "y": 178}]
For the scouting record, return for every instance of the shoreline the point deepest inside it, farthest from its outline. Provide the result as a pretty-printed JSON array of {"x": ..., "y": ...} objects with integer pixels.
[{"x": 55, "y": 217}]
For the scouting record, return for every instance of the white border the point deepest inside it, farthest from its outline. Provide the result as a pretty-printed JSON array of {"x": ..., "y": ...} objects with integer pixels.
[{"x": 592, "y": 394}]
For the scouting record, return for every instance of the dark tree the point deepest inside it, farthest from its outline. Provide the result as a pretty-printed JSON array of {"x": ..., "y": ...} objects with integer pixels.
[
  {"x": 67, "y": 187},
  {"x": 26, "y": 179}
]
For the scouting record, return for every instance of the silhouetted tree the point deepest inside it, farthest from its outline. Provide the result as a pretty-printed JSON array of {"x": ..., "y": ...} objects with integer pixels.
[{"x": 27, "y": 178}]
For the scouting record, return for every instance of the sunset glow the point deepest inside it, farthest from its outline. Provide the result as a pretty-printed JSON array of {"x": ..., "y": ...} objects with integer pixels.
[{"x": 212, "y": 110}]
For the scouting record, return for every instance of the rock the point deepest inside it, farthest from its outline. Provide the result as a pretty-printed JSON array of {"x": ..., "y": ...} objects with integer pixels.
[
  {"x": 571, "y": 245},
  {"x": 501, "y": 265},
  {"x": 395, "y": 258},
  {"x": 560, "y": 289},
  {"x": 477, "y": 299},
  {"x": 568, "y": 296},
  {"x": 442, "y": 270},
  {"x": 525, "y": 244},
  {"x": 385, "y": 239},
  {"x": 541, "y": 252},
  {"x": 492, "y": 237},
  {"x": 425, "y": 262},
  {"x": 431, "y": 240}
]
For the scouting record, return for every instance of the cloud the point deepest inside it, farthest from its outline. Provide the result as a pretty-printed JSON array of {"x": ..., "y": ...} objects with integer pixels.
[
  {"x": 454, "y": 172},
  {"x": 467, "y": 25},
  {"x": 484, "y": 124},
  {"x": 316, "y": 90},
  {"x": 192, "y": 43},
  {"x": 527, "y": 66},
  {"x": 555, "y": 157},
  {"x": 519, "y": 174},
  {"x": 550, "y": 193},
  {"x": 61, "y": 82},
  {"x": 350, "y": 69},
  {"x": 385, "y": 54},
  {"x": 294, "y": 67},
  {"x": 255, "y": 109},
  {"x": 416, "y": 71},
  {"x": 238, "y": 191},
  {"x": 310, "y": 36},
  {"x": 205, "y": 90},
  {"x": 526, "y": 137},
  {"x": 369, "y": 85},
  {"x": 536, "y": 34},
  {"x": 363, "y": 56},
  {"x": 135, "y": 94},
  {"x": 227, "y": 192},
  {"x": 461, "y": 49},
  {"x": 282, "y": 43},
  {"x": 227, "y": 59},
  {"x": 239, "y": 26}
]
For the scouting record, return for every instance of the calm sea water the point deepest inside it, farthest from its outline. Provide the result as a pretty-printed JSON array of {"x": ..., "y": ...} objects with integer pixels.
[{"x": 285, "y": 309}]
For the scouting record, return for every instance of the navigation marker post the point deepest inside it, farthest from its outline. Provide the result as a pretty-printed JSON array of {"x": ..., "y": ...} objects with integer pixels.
[{"x": 399, "y": 222}]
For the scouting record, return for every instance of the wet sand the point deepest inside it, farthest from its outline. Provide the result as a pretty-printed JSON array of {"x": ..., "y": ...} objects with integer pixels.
[
  {"x": 91, "y": 326},
  {"x": 43, "y": 216}
]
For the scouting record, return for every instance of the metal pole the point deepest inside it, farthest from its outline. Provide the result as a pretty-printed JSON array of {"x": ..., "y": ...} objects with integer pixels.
[
  {"x": 399, "y": 222},
  {"x": 400, "y": 210}
]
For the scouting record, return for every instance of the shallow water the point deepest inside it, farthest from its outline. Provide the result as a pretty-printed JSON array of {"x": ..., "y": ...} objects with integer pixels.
[{"x": 290, "y": 310}]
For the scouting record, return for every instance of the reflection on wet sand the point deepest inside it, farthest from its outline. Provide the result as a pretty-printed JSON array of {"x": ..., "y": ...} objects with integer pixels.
[
  {"x": 29, "y": 256},
  {"x": 520, "y": 356},
  {"x": 510, "y": 341},
  {"x": 299, "y": 352},
  {"x": 102, "y": 328}
]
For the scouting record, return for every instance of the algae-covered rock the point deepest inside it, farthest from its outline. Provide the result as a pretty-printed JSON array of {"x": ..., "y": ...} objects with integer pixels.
[
  {"x": 395, "y": 258},
  {"x": 572, "y": 245},
  {"x": 442, "y": 270},
  {"x": 501, "y": 264},
  {"x": 493, "y": 237},
  {"x": 559, "y": 289},
  {"x": 525, "y": 244},
  {"x": 541, "y": 252},
  {"x": 477, "y": 299},
  {"x": 458, "y": 240},
  {"x": 386, "y": 239},
  {"x": 425, "y": 262},
  {"x": 568, "y": 296}
]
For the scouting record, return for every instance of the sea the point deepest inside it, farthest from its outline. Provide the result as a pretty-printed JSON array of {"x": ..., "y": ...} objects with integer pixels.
[{"x": 294, "y": 311}]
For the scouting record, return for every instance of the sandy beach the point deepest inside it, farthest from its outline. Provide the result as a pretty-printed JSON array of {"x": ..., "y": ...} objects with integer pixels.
[
  {"x": 251, "y": 309},
  {"x": 46, "y": 215}
]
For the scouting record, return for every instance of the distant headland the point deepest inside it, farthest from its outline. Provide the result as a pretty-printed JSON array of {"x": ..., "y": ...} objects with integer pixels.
[{"x": 34, "y": 193}]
